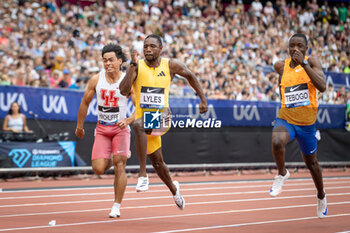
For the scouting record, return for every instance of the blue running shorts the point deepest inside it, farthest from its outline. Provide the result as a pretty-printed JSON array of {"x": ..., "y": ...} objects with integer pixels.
[{"x": 305, "y": 134}]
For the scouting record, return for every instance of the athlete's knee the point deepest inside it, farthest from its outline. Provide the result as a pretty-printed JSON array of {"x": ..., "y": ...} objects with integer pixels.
[
  {"x": 157, "y": 164},
  {"x": 137, "y": 126},
  {"x": 119, "y": 166},
  {"x": 277, "y": 143},
  {"x": 312, "y": 163},
  {"x": 98, "y": 170}
]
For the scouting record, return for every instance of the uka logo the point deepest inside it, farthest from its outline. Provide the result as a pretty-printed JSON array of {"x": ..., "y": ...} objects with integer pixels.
[
  {"x": 210, "y": 113},
  {"x": 93, "y": 107},
  {"x": 6, "y": 101},
  {"x": 55, "y": 103},
  {"x": 323, "y": 116},
  {"x": 247, "y": 112}
]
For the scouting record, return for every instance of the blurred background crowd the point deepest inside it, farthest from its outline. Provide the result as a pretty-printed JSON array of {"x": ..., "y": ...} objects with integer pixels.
[{"x": 231, "y": 45}]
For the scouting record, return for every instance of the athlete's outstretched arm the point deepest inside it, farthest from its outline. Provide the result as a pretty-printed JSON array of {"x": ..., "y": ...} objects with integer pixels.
[
  {"x": 181, "y": 69},
  {"x": 279, "y": 65},
  {"x": 315, "y": 72},
  {"x": 130, "y": 77},
  {"x": 84, "y": 105}
]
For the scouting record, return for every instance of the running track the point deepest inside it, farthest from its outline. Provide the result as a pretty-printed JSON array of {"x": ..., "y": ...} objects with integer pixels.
[{"x": 216, "y": 203}]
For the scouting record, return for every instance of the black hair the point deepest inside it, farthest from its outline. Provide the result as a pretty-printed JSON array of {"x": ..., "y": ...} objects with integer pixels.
[
  {"x": 19, "y": 108},
  {"x": 157, "y": 37},
  {"x": 301, "y": 35},
  {"x": 116, "y": 49}
]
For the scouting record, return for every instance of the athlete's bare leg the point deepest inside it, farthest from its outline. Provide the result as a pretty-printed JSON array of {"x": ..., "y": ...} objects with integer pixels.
[
  {"x": 316, "y": 173},
  {"x": 280, "y": 138},
  {"x": 141, "y": 145},
  {"x": 101, "y": 165},
  {"x": 120, "y": 179},
  {"x": 161, "y": 169}
]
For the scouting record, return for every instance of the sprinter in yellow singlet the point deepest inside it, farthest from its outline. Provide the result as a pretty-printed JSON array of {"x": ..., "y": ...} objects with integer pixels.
[
  {"x": 299, "y": 77},
  {"x": 150, "y": 79}
]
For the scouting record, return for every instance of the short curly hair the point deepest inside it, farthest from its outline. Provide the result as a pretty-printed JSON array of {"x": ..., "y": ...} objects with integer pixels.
[{"x": 116, "y": 49}]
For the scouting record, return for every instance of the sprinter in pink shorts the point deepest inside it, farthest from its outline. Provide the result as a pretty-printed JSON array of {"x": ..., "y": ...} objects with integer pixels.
[{"x": 112, "y": 134}]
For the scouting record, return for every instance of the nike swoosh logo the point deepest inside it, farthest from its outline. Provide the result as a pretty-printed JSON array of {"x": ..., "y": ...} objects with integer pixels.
[
  {"x": 313, "y": 151},
  {"x": 105, "y": 109},
  {"x": 294, "y": 88},
  {"x": 325, "y": 212},
  {"x": 150, "y": 90},
  {"x": 299, "y": 70}
]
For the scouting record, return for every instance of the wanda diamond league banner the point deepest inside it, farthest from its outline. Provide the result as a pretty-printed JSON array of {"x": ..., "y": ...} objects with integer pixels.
[{"x": 46, "y": 154}]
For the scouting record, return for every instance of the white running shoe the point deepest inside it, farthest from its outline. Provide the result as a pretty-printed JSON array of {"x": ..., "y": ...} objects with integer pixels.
[
  {"x": 115, "y": 212},
  {"x": 179, "y": 200},
  {"x": 142, "y": 184},
  {"x": 278, "y": 183},
  {"x": 322, "y": 207}
]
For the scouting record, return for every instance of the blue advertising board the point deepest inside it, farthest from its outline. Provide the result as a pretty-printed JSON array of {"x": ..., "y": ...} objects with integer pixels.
[
  {"x": 46, "y": 154},
  {"x": 58, "y": 104}
]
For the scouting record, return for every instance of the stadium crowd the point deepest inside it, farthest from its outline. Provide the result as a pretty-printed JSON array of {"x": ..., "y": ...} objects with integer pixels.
[{"x": 228, "y": 43}]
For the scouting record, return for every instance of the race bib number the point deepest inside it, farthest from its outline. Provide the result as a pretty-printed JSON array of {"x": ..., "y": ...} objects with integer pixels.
[
  {"x": 108, "y": 114},
  {"x": 296, "y": 96},
  {"x": 152, "y": 97}
]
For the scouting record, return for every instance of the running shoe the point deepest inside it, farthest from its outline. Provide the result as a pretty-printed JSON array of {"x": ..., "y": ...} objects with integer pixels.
[
  {"x": 142, "y": 184},
  {"x": 278, "y": 183},
  {"x": 322, "y": 207},
  {"x": 115, "y": 212},
  {"x": 179, "y": 200}
]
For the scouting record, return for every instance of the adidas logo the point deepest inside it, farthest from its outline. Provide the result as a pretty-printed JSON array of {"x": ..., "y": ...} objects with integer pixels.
[{"x": 161, "y": 74}]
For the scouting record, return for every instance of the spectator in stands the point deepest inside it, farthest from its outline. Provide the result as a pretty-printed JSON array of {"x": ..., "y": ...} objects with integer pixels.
[
  {"x": 54, "y": 79},
  {"x": 256, "y": 8},
  {"x": 343, "y": 13},
  {"x": 68, "y": 36},
  {"x": 347, "y": 66},
  {"x": 15, "y": 121},
  {"x": 65, "y": 80},
  {"x": 5, "y": 80},
  {"x": 341, "y": 96}
]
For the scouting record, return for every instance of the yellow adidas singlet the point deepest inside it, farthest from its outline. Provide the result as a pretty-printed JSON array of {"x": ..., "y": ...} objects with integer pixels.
[
  {"x": 151, "y": 87},
  {"x": 298, "y": 96}
]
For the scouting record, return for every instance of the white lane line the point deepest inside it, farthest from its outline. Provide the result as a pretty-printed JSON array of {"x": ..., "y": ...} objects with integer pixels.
[
  {"x": 250, "y": 224},
  {"x": 344, "y": 179},
  {"x": 183, "y": 215},
  {"x": 164, "y": 197},
  {"x": 153, "y": 206},
  {"x": 185, "y": 189}
]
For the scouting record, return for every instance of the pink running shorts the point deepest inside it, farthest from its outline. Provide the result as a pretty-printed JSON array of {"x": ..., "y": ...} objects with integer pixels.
[{"x": 110, "y": 140}]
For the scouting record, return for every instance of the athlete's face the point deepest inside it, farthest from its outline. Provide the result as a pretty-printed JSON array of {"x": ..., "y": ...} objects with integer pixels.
[
  {"x": 110, "y": 62},
  {"x": 151, "y": 49},
  {"x": 297, "y": 44}
]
